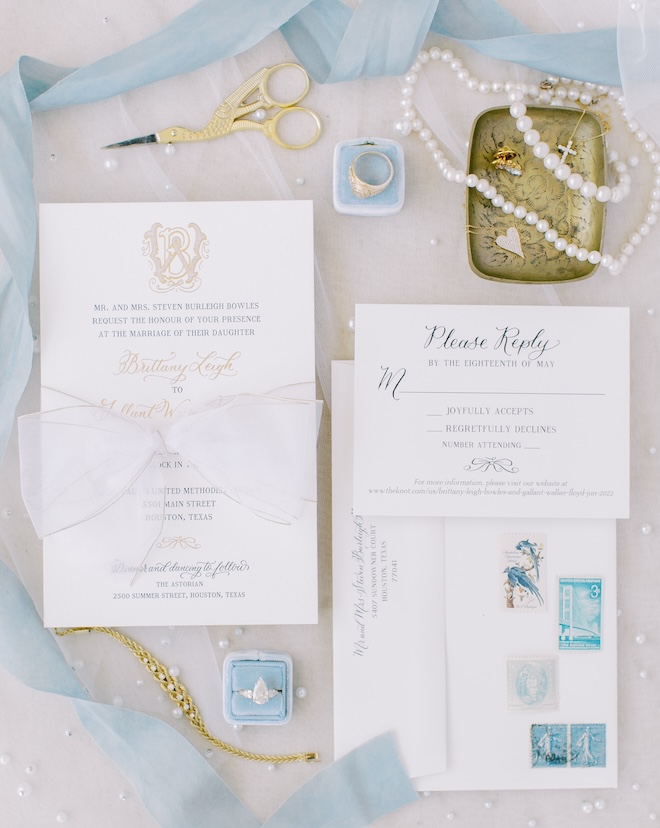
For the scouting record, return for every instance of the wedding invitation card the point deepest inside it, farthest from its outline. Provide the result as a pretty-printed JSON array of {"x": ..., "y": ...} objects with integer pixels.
[
  {"x": 388, "y": 615},
  {"x": 172, "y": 469},
  {"x": 491, "y": 411}
]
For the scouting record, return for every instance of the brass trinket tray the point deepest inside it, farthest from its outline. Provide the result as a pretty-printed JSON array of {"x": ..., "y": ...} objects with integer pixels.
[{"x": 508, "y": 249}]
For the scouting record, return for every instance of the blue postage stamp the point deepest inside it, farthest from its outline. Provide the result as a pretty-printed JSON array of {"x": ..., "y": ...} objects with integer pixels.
[
  {"x": 549, "y": 745},
  {"x": 523, "y": 572},
  {"x": 588, "y": 747},
  {"x": 531, "y": 684},
  {"x": 580, "y": 613}
]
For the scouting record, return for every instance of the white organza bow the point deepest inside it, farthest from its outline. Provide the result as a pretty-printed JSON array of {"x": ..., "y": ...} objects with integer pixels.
[{"x": 79, "y": 460}]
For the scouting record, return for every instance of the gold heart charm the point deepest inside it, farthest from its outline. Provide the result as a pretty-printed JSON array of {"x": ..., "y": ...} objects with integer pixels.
[{"x": 511, "y": 242}]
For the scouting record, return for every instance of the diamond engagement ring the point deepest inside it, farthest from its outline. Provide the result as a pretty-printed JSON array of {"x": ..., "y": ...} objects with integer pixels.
[
  {"x": 371, "y": 167},
  {"x": 260, "y": 693}
]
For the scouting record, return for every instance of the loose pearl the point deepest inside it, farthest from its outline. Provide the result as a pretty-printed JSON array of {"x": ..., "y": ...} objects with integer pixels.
[
  {"x": 488, "y": 804},
  {"x": 551, "y": 161},
  {"x": 541, "y": 149},
  {"x": 24, "y": 790},
  {"x": 599, "y": 804},
  {"x": 434, "y": 242},
  {"x": 574, "y": 181},
  {"x": 238, "y": 631},
  {"x": 643, "y": 674},
  {"x": 170, "y": 149},
  {"x": 223, "y": 643},
  {"x": 646, "y": 529},
  {"x": 123, "y": 796},
  {"x": 300, "y": 181},
  {"x": 640, "y": 638},
  {"x": 587, "y": 807},
  {"x": 118, "y": 701},
  {"x": 5, "y": 759},
  {"x": 531, "y": 823},
  {"x": 450, "y": 815},
  {"x": 60, "y": 817},
  {"x": 177, "y": 713},
  {"x": 520, "y": 211},
  {"x": 301, "y": 692},
  {"x": 111, "y": 164},
  {"x": 635, "y": 786},
  {"x": 563, "y": 172},
  {"x": 30, "y": 769}
]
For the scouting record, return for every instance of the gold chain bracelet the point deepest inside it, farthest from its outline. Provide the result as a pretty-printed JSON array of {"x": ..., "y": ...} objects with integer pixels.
[{"x": 178, "y": 693}]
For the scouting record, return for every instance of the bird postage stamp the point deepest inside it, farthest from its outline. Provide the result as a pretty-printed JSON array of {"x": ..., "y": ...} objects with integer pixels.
[
  {"x": 531, "y": 684},
  {"x": 523, "y": 572},
  {"x": 580, "y": 613}
]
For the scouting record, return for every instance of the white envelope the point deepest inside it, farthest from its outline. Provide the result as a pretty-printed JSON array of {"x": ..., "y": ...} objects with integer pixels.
[{"x": 388, "y": 614}]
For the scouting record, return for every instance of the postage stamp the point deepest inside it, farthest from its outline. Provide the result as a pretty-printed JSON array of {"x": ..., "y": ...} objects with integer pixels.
[
  {"x": 549, "y": 745},
  {"x": 562, "y": 745},
  {"x": 531, "y": 684},
  {"x": 580, "y": 613},
  {"x": 588, "y": 746},
  {"x": 523, "y": 570}
]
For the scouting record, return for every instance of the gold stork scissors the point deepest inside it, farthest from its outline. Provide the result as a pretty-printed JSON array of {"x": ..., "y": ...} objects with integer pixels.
[{"x": 228, "y": 117}]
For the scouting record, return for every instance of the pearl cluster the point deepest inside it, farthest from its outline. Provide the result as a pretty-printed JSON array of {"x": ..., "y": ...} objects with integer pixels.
[{"x": 554, "y": 92}]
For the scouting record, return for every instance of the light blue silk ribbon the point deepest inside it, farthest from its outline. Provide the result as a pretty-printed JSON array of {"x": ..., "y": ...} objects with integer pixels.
[
  {"x": 335, "y": 44},
  {"x": 172, "y": 779}
]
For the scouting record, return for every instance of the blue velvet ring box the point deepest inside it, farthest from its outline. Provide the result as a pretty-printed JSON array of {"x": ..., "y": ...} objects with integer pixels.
[
  {"x": 388, "y": 202},
  {"x": 267, "y": 677}
]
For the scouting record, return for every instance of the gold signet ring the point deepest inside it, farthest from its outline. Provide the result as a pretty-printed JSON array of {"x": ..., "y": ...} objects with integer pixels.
[{"x": 369, "y": 165}]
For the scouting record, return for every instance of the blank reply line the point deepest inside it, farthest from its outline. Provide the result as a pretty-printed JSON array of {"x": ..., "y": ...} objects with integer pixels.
[{"x": 517, "y": 393}]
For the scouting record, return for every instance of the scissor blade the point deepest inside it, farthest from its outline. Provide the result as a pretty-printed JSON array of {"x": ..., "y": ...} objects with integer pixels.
[{"x": 145, "y": 139}]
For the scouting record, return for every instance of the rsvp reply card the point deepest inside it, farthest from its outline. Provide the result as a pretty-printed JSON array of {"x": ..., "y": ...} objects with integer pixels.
[
  {"x": 177, "y": 349},
  {"x": 491, "y": 411}
]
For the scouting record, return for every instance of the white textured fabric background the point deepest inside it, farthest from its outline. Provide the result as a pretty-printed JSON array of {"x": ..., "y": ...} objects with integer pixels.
[{"x": 359, "y": 260}]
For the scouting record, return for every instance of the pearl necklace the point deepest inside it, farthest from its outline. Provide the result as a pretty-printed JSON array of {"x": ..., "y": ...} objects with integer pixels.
[{"x": 553, "y": 92}]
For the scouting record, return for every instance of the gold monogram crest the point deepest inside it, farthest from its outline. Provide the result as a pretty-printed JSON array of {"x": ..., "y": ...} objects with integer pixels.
[{"x": 176, "y": 256}]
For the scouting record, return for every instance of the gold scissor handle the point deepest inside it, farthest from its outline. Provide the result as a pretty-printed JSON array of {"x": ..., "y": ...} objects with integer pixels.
[
  {"x": 270, "y": 127},
  {"x": 268, "y": 100}
]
